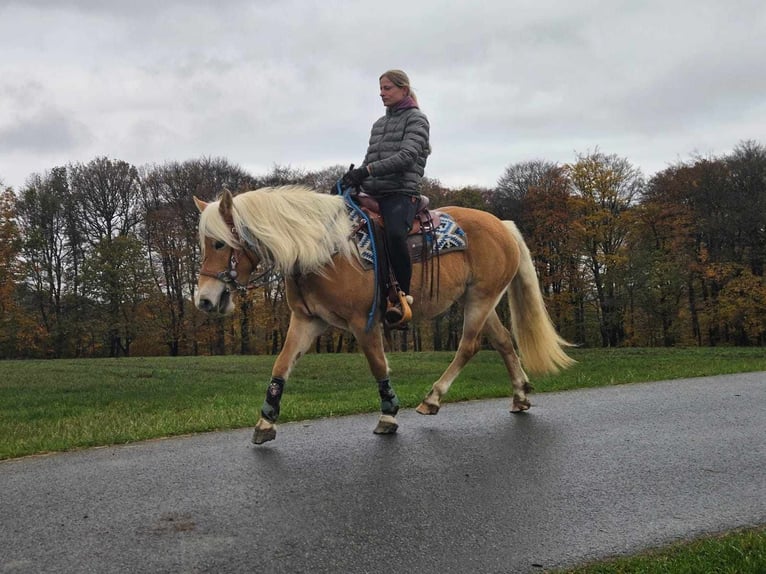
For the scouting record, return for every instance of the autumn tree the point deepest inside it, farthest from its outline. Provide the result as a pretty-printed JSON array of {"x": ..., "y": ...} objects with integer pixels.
[
  {"x": 18, "y": 330},
  {"x": 171, "y": 238},
  {"x": 605, "y": 187},
  {"x": 664, "y": 264},
  {"x": 726, "y": 196},
  {"x": 747, "y": 200},
  {"x": 433, "y": 189},
  {"x": 51, "y": 253},
  {"x": 546, "y": 220},
  {"x": 508, "y": 198}
]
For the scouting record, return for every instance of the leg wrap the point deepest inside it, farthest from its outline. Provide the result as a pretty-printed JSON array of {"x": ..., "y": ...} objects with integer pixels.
[
  {"x": 389, "y": 403},
  {"x": 270, "y": 408}
]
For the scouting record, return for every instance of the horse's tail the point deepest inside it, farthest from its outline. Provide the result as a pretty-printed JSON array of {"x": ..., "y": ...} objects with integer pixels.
[{"x": 540, "y": 346}]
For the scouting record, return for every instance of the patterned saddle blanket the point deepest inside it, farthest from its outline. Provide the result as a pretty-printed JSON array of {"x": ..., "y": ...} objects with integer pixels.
[{"x": 425, "y": 241}]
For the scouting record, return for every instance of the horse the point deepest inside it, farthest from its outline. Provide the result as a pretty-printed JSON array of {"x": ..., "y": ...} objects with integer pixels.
[{"x": 306, "y": 236}]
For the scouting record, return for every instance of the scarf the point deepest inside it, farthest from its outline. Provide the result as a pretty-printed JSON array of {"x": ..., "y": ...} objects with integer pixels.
[{"x": 407, "y": 103}]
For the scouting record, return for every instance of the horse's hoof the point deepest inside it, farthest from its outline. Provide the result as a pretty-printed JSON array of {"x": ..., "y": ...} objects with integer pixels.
[
  {"x": 425, "y": 408},
  {"x": 261, "y": 436},
  {"x": 520, "y": 406},
  {"x": 386, "y": 425}
]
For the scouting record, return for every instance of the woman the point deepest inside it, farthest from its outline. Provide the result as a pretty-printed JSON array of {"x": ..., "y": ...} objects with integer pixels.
[{"x": 391, "y": 173}]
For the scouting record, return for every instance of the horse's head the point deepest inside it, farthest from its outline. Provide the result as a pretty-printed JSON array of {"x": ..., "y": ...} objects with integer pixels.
[{"x": 224, "y": 257}]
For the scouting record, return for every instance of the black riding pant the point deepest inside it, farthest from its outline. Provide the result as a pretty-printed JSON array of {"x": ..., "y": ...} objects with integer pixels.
[{"x": 398, "y": 211}]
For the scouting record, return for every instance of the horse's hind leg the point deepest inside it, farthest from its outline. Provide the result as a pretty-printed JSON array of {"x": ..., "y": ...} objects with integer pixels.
[
  {"x": 501, "y": 340},
  {"x": 301, "y": 334},
  {"x": 474, "y": 317}
]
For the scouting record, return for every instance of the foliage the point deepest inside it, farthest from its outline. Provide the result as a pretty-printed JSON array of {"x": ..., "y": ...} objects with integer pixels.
[{"x": 101, "y": 259}]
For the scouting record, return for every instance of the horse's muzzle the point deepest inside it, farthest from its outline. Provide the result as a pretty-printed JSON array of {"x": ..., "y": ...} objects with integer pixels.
[{"x": 208, "y": 306}]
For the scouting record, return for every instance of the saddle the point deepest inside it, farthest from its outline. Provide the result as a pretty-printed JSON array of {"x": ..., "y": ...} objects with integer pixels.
[
  {"x": 426, "y": 220},
  {"x": 432, "y": 234}
]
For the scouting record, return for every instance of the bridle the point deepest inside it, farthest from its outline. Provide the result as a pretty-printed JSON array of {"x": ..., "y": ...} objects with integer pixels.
[{"x": 229, "y": 275}]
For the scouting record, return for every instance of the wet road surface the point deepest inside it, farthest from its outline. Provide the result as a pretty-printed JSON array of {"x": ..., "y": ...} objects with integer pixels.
[{"x": 585, "y": 474}]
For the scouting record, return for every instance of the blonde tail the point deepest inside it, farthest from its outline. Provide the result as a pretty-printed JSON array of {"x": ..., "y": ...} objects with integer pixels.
[{"x": 540, "y": 346}]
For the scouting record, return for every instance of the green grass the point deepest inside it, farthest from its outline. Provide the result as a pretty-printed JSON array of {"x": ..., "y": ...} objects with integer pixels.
[
  {"x": 67, "y": 404},
  {"x": 739, "y": 552}
]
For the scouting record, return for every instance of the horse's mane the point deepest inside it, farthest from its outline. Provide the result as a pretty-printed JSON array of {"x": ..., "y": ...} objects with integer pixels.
[{"x": 291, "y": 227}]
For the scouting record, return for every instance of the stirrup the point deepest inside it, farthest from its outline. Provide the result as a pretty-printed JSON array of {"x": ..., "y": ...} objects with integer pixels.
[{"x": 399, "y": 313}]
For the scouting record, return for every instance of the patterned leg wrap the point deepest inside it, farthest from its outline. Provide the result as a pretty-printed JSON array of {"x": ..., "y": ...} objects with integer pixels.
[
  {"x": 389, "y": 403},
  {"x": 270, "y": 408}
]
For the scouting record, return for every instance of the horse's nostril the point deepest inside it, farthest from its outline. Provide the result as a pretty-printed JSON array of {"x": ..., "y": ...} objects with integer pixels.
[{"x": 205, "y": 305}]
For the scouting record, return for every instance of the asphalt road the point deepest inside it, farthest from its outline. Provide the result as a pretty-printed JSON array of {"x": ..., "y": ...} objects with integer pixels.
[{"x": 583, "y": 475}]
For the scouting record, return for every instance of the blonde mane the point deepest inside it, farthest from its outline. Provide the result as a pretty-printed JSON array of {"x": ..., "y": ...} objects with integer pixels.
[{"x": 291, "y": 227}]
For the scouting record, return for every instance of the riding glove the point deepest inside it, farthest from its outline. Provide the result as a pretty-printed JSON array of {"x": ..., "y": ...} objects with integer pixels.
[{"x": 355, "y": 177}]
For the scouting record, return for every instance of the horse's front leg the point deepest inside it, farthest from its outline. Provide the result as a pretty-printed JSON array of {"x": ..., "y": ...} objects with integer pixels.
[
  {"x": 301, "y": 334},
  {"x": 372, "y": 346}
]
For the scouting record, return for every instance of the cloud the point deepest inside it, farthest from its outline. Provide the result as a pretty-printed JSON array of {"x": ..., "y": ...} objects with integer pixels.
[
  {"x": 49, "y": 131},
  {"x": 294, "y": 82}
]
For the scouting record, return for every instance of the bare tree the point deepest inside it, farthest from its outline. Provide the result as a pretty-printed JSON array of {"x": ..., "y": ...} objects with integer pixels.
[{"x": 105, "y": 199}]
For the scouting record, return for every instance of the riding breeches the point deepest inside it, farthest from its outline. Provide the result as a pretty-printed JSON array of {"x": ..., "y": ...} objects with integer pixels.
[{"x": 398, "y": 211}]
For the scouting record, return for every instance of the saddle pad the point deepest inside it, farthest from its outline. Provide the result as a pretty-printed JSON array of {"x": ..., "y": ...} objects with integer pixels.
[{"x": 449, "y": 237}]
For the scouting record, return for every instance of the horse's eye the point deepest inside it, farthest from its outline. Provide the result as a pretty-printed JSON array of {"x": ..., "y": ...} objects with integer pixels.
[{"x": 218, "y": 245}]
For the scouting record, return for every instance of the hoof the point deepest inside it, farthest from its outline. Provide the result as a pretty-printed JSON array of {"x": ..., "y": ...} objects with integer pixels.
[
  {"x": 520, "y": 405},
  {"x": 262, "y": 436},
  {"x": 425, "y": 408},
  {"x": 386, "y": 425},
  {"x": 264, "y": 432}
]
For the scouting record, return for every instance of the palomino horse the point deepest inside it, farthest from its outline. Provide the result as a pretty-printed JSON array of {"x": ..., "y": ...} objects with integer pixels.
[{"x": 305, "y": 236}]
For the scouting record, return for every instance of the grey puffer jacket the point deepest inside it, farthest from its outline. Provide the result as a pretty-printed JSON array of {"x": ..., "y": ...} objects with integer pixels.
[{"x": 397, "y": 152}]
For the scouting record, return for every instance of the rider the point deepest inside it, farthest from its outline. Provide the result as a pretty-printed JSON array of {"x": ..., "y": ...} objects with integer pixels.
[{"x": 391, "y": 172}]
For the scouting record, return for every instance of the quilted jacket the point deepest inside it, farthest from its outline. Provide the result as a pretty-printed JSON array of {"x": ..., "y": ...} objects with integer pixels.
[{"x": 397, "y": 152}]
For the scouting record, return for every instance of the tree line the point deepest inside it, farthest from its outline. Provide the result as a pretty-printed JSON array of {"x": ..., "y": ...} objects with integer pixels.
[{"x": 101, "y": 258}]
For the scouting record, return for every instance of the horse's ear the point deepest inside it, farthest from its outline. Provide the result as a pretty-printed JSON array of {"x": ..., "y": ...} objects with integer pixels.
[
  {"x": 201, "y": 205},
  {"x": 226, "y": 203}
]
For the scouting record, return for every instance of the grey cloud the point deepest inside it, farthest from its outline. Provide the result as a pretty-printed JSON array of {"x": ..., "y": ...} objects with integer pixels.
[
  {"x": 295, "y": 81},
  {"x": 44, "y": 133}
]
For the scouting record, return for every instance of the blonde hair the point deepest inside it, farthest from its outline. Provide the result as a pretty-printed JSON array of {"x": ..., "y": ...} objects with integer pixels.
[{"x": 401, "y": 80}]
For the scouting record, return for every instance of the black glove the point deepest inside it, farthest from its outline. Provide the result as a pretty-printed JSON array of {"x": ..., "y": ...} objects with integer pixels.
[{"x": 354, "y": 177}]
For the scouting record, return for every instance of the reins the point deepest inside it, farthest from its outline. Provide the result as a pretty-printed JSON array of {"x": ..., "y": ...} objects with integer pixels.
[{"x": 352, "y": 204}]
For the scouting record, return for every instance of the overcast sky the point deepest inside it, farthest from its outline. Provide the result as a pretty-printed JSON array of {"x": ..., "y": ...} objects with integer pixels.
[{"x": 289, "y": 82}]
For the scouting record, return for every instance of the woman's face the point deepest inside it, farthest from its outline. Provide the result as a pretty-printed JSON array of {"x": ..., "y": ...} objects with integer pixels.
[{"x": 390, "y": 93}]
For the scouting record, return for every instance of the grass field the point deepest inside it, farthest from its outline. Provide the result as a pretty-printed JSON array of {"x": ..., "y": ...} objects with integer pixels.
[
  {"x": 66, "y": 404},
  {"x": 61, "y": 405}
]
